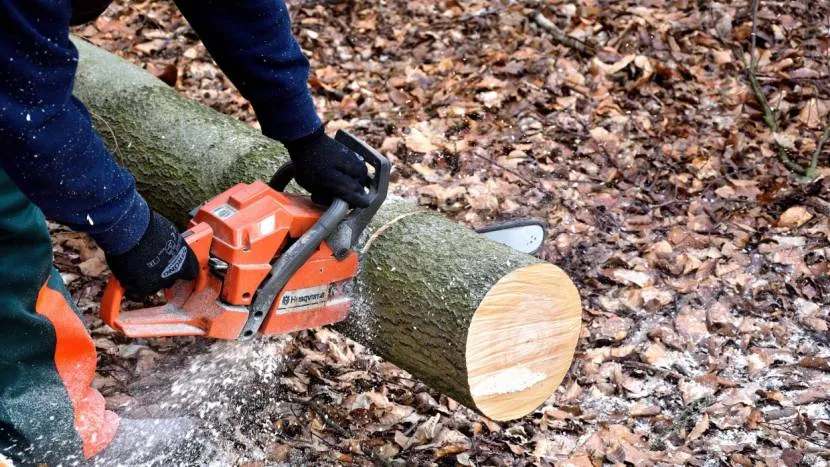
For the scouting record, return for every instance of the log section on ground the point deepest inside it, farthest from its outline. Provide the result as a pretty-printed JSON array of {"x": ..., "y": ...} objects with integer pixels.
[{"x": 490, "y": 327}]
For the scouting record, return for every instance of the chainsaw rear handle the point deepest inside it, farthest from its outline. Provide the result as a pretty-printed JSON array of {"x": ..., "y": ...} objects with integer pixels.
[
  {"x": 133, "y": 324},
  {"x": 349, "y": 230}
]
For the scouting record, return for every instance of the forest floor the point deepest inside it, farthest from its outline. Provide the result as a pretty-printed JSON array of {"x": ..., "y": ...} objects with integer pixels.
[{"x": 702, "y": 262}]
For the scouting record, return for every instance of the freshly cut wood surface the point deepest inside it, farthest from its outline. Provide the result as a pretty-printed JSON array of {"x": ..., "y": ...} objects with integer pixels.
[{"x": 521, "y": 340}]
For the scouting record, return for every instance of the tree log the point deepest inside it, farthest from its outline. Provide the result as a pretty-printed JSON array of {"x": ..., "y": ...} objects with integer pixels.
[{"x": 490, "y": 327}]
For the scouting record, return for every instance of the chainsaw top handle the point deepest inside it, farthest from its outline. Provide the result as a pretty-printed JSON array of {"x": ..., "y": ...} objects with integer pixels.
[
  {"x": 337, "y": 225},
  {"x": 349, "y": 230}
]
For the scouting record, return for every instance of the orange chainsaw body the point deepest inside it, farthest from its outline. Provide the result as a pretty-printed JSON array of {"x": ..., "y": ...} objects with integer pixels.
[{"x": 236, "y": 236}]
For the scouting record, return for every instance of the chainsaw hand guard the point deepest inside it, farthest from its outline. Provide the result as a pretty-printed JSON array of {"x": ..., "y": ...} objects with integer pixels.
[{"x": 174, "y": 318}]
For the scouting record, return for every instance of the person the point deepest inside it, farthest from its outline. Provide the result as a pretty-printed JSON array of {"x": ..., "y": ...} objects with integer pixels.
[{"x": 53, "y": 165}]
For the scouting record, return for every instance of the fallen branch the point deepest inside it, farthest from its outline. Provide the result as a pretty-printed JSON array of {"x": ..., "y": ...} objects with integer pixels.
[
  {"x": 770, "y": 117},
  {"x": 819, "y": 146},
  {"x": 560, "y": 36}
]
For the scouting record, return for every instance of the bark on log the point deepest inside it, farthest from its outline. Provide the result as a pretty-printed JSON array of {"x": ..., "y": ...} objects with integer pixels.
[{"x": 490, "y": 327}]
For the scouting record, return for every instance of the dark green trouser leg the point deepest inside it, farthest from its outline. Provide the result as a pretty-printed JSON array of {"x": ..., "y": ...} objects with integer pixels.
[{"x": 48, "y": 412}]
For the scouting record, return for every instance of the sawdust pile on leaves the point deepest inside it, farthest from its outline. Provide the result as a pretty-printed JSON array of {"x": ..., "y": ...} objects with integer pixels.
[{"x": 703, "y": 267}]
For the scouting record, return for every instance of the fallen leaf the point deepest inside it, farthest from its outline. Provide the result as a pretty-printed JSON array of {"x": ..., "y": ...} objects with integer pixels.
[
  {"x": 418, "y": 142},
  {"x": 451, "y": 442},
  {"x": 490, "y": 98},
  {"x": 641, "y": 409},
  {"x": 638, "y": 278},
  {"x": 811, "y": 115},
  {"x": 93, "y": 267},
  {"x": 691, "y": 391},
  {"x": 656, "y": 355},
  {"x": 818, "y": 363},
  {"x": 700, "y": 427},
  {"x": 386, "y": 451},
  {"x": 794, "y": 217}
]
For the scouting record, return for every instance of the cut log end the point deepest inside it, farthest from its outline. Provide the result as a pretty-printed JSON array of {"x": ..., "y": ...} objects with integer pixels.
[{"x": 521, "y": 341}]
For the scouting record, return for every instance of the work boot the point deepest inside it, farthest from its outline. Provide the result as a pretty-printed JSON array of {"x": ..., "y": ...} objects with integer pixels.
[{"x": 151, "y": 442}]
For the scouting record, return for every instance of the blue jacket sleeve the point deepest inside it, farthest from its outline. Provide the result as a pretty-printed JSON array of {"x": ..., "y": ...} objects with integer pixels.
[
  {"x": 252, "y": 43},
  {"x": 47, "y": 144}
]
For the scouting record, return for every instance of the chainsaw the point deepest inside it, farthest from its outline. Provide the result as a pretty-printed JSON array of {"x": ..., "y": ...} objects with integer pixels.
[{"x": 270, "y": 262}]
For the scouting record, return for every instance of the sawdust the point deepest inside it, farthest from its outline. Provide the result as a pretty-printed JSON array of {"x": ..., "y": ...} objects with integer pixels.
[
  {"x": 225, "y": 386},
  {"x": 510, "y": 380}
]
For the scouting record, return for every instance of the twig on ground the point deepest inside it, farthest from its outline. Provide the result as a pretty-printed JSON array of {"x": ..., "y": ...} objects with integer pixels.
[
  {"x": 647, "y": 367},
  {"x": 516, "y": 173},
  {"x": 769, "y": 114},
  {"x": 560, "y": 36},
  {"x": 819, "y": 146},
  {"x": 329, "y": 422}
]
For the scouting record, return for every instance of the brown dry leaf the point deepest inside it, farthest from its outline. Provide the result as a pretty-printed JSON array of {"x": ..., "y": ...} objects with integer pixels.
[
  {"x": 492, "y": 426},
  {"x": 816, "y": 324},
  {"x": 700, "y": 427},
  {"x": 149, "y": 47},
  {"x": 81, "y": 242},
  {"x": 656, "y": 355},
  {"x": 691, "y": 324},
  {"x": 427, "y": 172},
  {"x": 451, "y": 442},
  {"x": 366, "y": 400},
  {"x": 817, "y": 363},
  {"x": 606, "y": 139},
  {"x": 93, "y": 267},
  {"x": 641, "y": 409},
  {"x": 812, "y": 113},
  {"x": 426, "y": 431},
  {"x": 794, "y": 217},
  {"x": 638, "y": 278},
  {"x": 599, "y": 67},
  {"x": 691, "y": 391},
  {"x": 418, "y": 142},
  {"x": 386, "y": 452},
  {"x": 464, "y": 459},
  {"x": 401, "y": 439},
  {"x": 390, "y": 144},
  {"x": 611, "y": 328},
  {"x": 490, "y": 99},
  {"x": 579, "y": 459},
  {"x": 739, "y": 189},
  {"x": 395, "y": 414}
]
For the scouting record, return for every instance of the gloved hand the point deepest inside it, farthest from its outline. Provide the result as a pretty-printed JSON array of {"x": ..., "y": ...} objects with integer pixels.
[
  {"x": 159, "y": 259},
  {"x": 327, "y": 170}
]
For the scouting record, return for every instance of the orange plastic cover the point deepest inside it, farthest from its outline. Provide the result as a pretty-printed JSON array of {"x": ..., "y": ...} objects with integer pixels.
[{"x": 241, "y": 232}]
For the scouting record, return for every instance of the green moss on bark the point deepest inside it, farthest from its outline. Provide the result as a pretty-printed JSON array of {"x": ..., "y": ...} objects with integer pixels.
[
  {"x": 181, "y": 152},
  {"x": 422, "y": 279}
]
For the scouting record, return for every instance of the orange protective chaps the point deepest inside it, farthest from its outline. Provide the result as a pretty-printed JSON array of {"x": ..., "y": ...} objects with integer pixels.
[{"x": 48, "y": 411}]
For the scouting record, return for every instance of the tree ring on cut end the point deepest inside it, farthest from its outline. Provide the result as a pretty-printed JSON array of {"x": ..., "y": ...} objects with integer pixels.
[{"x": 521, "y": 341}]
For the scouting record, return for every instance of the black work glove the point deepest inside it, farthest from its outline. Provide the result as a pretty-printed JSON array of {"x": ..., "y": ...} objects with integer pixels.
[
  {"x": 159, "y": 259},
  {"x": 328, "y": 170}
]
